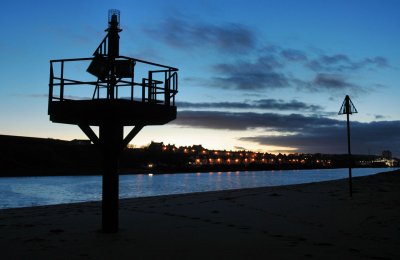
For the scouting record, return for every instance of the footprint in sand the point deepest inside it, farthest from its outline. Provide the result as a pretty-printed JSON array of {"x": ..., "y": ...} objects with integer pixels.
[
  {"x": 275, "y": 195},
  {"x": 56, "y": 231},
  {"x": 323, "y": 244}
]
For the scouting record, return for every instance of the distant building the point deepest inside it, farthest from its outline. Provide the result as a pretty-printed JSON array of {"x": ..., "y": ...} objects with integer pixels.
[
  {"x": 154, "y": 146},
  {"x": 80, "y": 142},
  {"x": 197, "y": 148}
]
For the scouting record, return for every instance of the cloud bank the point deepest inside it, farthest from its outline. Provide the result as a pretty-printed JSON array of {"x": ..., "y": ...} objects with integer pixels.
[
  {"x": 308, "y": 134},
  {"x": 261, "y": 66},
  {"x": 263, "y": 104}
]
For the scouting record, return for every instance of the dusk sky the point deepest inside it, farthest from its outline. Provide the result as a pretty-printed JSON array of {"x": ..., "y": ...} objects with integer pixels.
[{"x": 257, "y": 75}]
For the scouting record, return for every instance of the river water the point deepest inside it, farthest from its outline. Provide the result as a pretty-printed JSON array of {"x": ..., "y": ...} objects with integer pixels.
[{"x": 34, "y": 191}]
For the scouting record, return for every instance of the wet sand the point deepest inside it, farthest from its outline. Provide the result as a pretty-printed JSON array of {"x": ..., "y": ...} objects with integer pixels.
[{"x": 306, "y": 221}]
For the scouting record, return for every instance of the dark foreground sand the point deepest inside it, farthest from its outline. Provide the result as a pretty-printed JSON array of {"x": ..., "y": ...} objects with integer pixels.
[{"x": 309, "y": 221}]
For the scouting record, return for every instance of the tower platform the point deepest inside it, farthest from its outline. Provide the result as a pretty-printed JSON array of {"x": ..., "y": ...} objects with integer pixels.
[
  {"x": 120, "y": 111},
  {"x": 143, "y": 93}
]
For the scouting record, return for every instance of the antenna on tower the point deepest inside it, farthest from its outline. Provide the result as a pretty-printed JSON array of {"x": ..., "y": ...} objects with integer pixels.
[{"x": 113, "y": 18}]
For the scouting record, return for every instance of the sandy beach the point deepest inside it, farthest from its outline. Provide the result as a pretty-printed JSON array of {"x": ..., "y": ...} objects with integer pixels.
[{"x": 307, "y": 221}]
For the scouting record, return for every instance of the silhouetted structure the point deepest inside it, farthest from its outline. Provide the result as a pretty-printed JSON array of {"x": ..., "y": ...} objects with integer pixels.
[
  {"x": 348, "y": 108},
  {"x": 114, "y": 100}
]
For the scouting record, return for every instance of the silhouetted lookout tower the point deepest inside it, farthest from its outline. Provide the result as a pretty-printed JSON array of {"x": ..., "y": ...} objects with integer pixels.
[{"x": 123, "y": 92}]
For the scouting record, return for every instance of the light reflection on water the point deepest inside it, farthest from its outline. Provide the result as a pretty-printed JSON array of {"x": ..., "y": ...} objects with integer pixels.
[{"x": 33, "y": 191}]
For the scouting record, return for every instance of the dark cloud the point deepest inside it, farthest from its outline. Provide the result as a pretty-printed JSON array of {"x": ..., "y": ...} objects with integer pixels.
[
  {"x": 47, "y": 96},
  {"x": 334, "y": 59},
  {"x": 343, "y": 63},
  {"x": 223, "y": 105},
  {"x": 240, "y": 148},
  {"x": 259, "y": 75},
  {"x": 328, "y": 82},
  {"x": 331, "y": 81},
  {"x": 268, "y": 104},
  {"x": 188, "y": 34},
  {"x": 373, "y": 137},
  {"x": 379, "y": 117},
  {"x": 249, "y": 120},
  {"x": 294, "y": 55},
  {"x": 279, "y": 104},
  {"x": 378, "y": 61},
  {"x": 319, "y": 139},
  {"x": 36, "y": 95}
]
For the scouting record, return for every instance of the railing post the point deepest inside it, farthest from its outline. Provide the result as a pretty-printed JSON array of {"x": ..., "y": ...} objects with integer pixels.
[
  {"x": 132, "y": 80},
  {"x": 143, "y": 90},
  {"x": 175, "y": 87},
  {"x": 150, "y": 84},
  {"x": 167, "y": 88},
  {"x": 51, "y": 84},
  {"x": 62, "y": 82}
]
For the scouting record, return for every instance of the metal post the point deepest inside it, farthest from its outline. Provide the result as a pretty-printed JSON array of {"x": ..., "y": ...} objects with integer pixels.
[
  {"x": 132, "y": 81},
  {"x": 167, "y": 88},
  {"x": 150, "y": 84},
  {"x": 50, "y": 86},
  {"x": 143, "y": 90},
  {"x": 349, "y": 159},
  {"x": 348, "y": 108},
  {"x": 62, "y": 82},
  {"x": 111, "y": 137}
]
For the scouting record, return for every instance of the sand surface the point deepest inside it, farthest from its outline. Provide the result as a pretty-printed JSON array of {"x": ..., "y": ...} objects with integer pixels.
[{"x": 307, "y": 221}]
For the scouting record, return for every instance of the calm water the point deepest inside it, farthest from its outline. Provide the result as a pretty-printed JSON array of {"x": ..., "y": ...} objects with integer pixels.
[{"x": 33, "y": 191}]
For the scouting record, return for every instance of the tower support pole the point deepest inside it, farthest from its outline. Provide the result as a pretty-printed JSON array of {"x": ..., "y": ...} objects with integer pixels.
[
  {"x": 349, "y": 159},
  {"x": 111, "y": 137}
]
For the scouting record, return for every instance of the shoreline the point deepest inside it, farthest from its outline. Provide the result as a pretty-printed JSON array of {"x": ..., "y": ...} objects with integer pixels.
[
  {"x": 312, "y": 220},
  {"x": 45, "y": 173}
]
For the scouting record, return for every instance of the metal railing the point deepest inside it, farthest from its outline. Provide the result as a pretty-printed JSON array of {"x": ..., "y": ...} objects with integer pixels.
[{"x": 135, "y": 80}]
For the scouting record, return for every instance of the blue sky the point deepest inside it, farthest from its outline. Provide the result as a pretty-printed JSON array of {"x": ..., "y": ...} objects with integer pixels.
[{"x": 259, "y": 75}]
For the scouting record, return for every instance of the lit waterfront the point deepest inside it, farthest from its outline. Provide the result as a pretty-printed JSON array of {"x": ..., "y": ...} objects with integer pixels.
[{"x": 35, "y": 191}]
